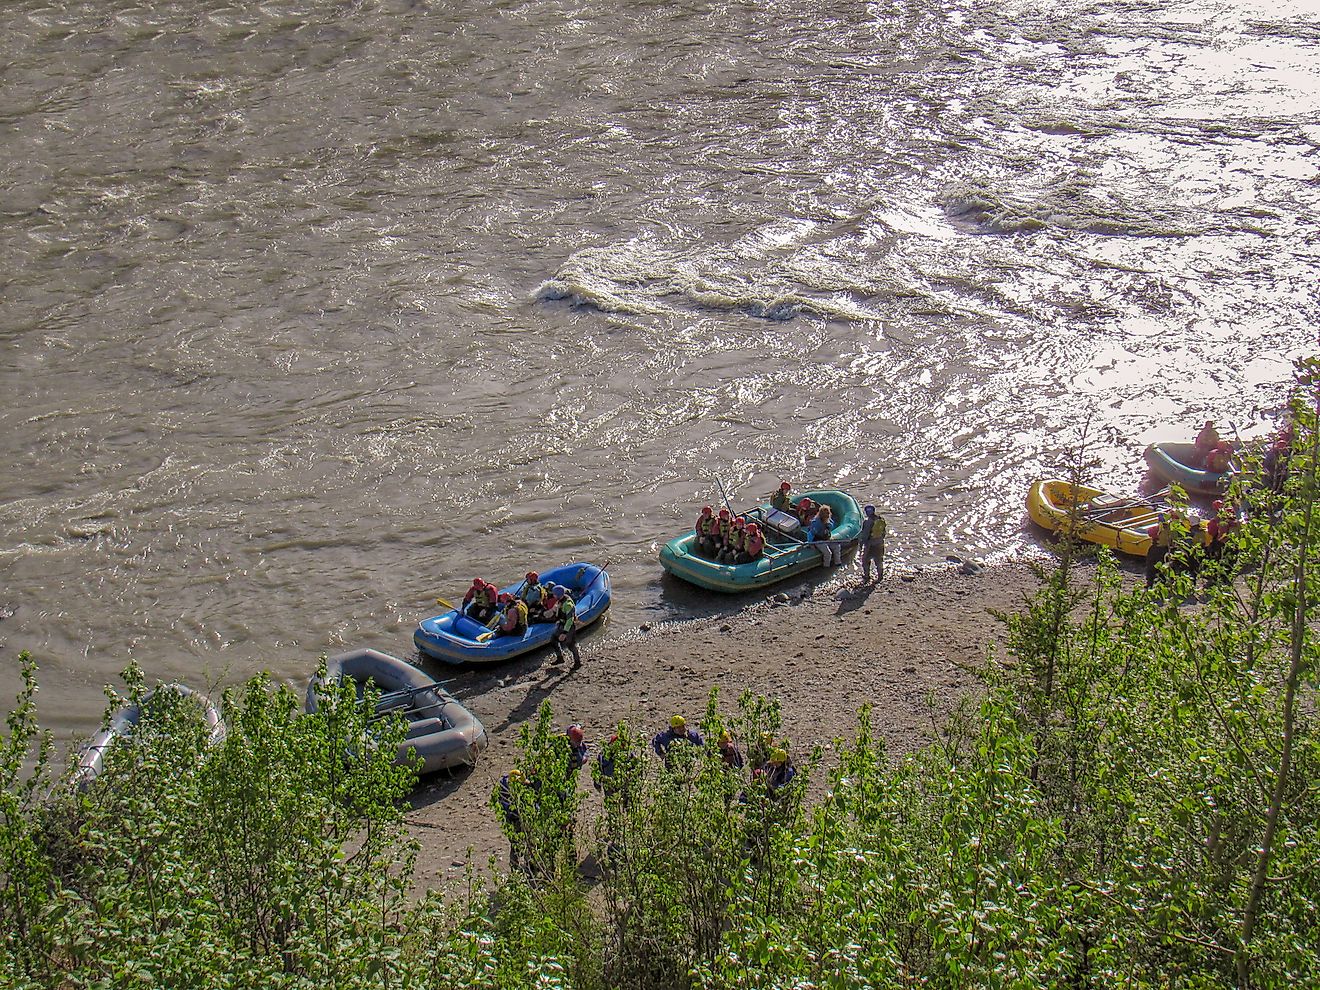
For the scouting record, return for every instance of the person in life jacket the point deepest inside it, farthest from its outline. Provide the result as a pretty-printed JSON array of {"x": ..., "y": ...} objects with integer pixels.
[
  {"x": 705, "y": 531},
  {"x": 780, "y": 498},
  {"x": 512, "y": 793},
  {"x": 511, "y": 620},
  {"x": 470, "y": 599},
  {"x": 753, "y": 544},
  {"x": 1219, "y": 533},
  {"x": 872, "y": 541},
  {"x": 729, "y": 752},
  {"x": 485, "y": 596},
  {"x": 677, "y": 733},
  {"x": 723, "y": 525},
  {"x": 806, "y": 511},
  {"x": 565, "y": 637},
  {"x": 734, "y": 543},
  {"x": 779, "y": 772},
  {"x": 1219, "y": 458},
  {"x": 578, "y": 754},
  {"x": 1206, "y": 441},
  {"x": 1161, "y": 541},
  {"x": 533, "y": 595}
]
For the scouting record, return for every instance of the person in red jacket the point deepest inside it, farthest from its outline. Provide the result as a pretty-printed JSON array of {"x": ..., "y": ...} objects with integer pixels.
[
  {"x": 753, "y": 544},
  {"x": 1219, "y": 458},
  {"x": 1219, "y": 551}
]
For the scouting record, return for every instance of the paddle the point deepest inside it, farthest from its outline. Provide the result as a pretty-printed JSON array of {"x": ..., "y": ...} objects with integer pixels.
[{"x": 724, "y": 495}]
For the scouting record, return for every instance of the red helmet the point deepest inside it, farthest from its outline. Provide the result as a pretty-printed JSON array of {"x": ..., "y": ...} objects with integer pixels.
[
  {"x": 724, "y": 513},
  {"x": 505, "y": 596},
  {"x": 478, "y": 583},
  {"x": 706, "y": 510},
  {"x": 784, "y": 486},
  {"x": 753, "y": 528},
  {"x": 574, "y": 733},
  {"x": 739, "y": 523},
  {"x": 533, "y": 577}
]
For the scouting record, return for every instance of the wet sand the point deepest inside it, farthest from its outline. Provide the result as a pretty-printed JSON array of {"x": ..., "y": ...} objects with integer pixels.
[{"x": 898, "y": 646}]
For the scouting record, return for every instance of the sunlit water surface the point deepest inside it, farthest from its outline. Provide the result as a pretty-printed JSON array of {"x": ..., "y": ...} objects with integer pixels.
[{"x": 310, "y": 311}]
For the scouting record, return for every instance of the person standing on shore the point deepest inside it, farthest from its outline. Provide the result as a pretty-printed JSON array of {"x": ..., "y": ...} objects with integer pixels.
[
  {"x": 872, "y": 542},
  {"x": 1161, "y": 538},
  {"x": 678, "y": 732},
  {"x": 565, "y": 626}
]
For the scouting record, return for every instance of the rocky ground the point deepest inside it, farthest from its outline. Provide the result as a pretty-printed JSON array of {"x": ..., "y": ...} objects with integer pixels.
[{"x": 824, "y": 651}]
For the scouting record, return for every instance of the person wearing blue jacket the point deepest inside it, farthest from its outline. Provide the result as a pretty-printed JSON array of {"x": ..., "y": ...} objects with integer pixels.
[{"x": 678, "y": 732}]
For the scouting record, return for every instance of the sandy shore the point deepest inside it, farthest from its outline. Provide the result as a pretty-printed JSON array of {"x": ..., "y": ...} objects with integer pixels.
[{"x": 825, "y": 653}]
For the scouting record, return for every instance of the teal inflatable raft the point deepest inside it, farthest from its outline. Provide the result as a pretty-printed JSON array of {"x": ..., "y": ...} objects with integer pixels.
[
  {"x": 1174, "y": 463},
  {"x": 786, "y": 554}
]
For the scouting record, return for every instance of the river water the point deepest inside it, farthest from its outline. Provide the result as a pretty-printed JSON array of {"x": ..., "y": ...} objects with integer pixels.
[{"x": 310, "y": 311}]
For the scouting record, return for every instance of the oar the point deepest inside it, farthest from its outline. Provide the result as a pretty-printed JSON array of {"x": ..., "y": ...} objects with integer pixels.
[
  {"x": 438, "y": 705},
  {"x": 724, "y": 495},
  {"x": 441, "y": 601}
]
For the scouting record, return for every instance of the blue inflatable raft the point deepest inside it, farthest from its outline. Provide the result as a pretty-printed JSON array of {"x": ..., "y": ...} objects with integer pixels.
[
  {"x": 785, "y": 556},
  {"x": 454, "y": 638},
  {"x": 1173, "y": 462}
]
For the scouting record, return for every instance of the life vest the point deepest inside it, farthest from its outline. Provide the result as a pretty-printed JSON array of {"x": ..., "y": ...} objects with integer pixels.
[
  {"x": 533, "y": 594},
  {"x": 567, "y": 614},
  {"x": 515, "y": 617},
  {"x": 484, "y": 597},
  {"x": 780, "y": 500},
  {"x": 724, "y": 528},
  {"x": 754, "y": 544},
  {"x": 805, "y": 514},
  {"x": 705, "y": 525},
  {"x": 737, "y": 538}
]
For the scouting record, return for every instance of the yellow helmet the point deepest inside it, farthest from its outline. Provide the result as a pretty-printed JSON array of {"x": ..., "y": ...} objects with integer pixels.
[
  {"x": 678, "y": 722},
  {"x": 515, "y": 774},
  {"x": 779, "y": 757},
  {"x": 725, "y": 737}
]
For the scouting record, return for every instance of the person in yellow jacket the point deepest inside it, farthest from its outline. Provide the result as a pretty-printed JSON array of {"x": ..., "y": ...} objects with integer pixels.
[
  {"x": 735, "y": 542},
  {"x": 705, "y": 529}
]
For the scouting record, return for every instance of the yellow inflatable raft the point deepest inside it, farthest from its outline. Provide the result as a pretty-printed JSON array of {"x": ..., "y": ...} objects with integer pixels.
[{"x": 1101, "y": 517}]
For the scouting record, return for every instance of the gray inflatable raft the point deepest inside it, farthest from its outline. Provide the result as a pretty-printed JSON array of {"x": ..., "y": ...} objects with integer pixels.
[
  {"x": 441, "y": 732},
  {"x": 91, "y": 761}
]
